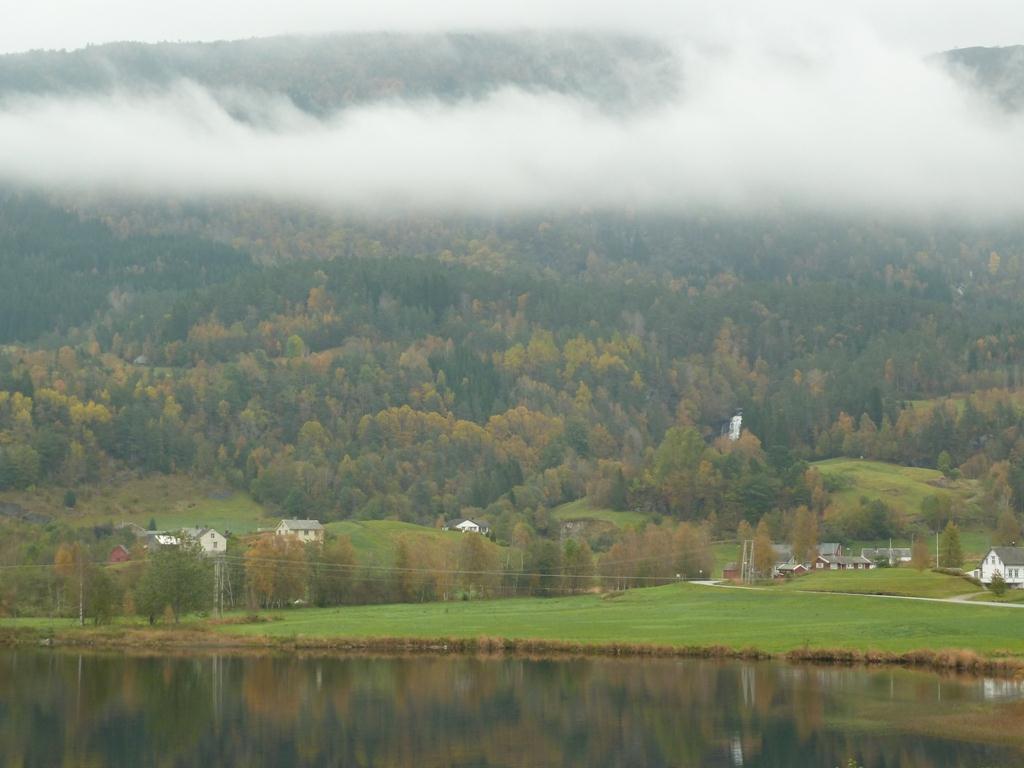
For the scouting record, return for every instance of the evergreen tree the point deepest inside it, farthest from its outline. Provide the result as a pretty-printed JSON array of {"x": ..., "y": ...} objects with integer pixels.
[{"x": 951, "y": 553}]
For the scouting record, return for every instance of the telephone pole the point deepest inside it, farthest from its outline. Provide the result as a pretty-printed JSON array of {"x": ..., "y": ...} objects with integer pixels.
[
  {"x": 81, "y": 589},
  {"x": 218, "y": 586},
  {"x": 747, "y": 562}
]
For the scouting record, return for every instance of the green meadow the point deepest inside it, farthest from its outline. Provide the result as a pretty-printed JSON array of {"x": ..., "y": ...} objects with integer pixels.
[
  {"x": 882, "y": 581},
  {"x": 772, "y": 620},
  {"x": 580, "y": 510},
  {"x": 374, "y": 540},
  {"x": 902, "y": 488},
  {"x": 173, "y": 501}
]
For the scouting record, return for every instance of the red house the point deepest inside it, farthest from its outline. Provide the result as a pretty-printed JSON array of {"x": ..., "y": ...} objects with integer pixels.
[{"x": 119, "y": 555}]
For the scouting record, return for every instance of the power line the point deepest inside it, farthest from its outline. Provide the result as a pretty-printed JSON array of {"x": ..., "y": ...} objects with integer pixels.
[{"x": 439, "y": 571}]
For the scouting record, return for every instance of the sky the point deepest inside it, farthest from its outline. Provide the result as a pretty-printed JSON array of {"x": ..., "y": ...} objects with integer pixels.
[
  {"x": 918, "y": 25},
  {"x": 834, "y": 110}
]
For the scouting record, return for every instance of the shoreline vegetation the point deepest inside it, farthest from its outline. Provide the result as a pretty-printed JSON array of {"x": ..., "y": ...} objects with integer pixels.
[
  {"x": 192, "y": 640},
  {"x": 662, "y": 622}
]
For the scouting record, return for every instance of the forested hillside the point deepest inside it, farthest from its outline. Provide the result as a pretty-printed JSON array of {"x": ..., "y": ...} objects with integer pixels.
[
  {"x": 323, "y": 74},
  {"x": 496, "y": 374},
  {"x": 409, "y": 366}
]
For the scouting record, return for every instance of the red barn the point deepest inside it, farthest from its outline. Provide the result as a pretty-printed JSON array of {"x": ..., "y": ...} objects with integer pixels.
[{"x": 119, "y": 555}]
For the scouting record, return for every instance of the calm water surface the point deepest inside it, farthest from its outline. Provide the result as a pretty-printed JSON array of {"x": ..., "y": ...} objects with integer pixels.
[{"x": 62, "y": 709}]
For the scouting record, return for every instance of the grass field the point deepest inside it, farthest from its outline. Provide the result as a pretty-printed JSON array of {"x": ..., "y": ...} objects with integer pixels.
[
  {"x": 902, "y": 488},
  {"x": 174, "y": 501},
  {"x": 581, "y": 510},
  {"x": 957, "y": 401},
  {"x": 376, "y": 538},
  {"x": 883, "y": 581},
  {"x": 679, "y": 614},
  {"x": 724, "y": 554},
  {"x": 1011, "y": 596},
  {"x": 770, "y": 620}
]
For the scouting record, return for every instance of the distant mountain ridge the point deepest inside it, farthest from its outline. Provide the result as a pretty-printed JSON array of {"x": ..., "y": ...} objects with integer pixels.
[
  {"x": 998, "y": 72},
  {"x": 323, "y": 74}
]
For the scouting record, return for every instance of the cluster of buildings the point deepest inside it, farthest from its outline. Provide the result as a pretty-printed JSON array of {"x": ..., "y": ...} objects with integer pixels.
[
  {"x": 829, "y": 557},
  {"x": 212, "y": 542},
  {"x": 1004, "y": 562}
]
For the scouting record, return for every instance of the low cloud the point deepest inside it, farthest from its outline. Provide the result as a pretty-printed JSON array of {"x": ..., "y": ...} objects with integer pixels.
[
  {"x": 921, "y": 25},
  {"x": 847, "y": 125}
]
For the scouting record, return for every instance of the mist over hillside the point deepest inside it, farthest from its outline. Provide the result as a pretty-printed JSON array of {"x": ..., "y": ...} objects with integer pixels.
[
  {"x": 498, "y": 123},
  {"x": 998, "y": 72},
  {"x": 320, "y": 75}
]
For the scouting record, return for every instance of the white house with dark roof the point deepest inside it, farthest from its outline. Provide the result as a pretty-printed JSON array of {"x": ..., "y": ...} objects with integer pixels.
[
  {"x": 303, "y": 530},
  {"x": 210, "y": 541},
  {"x": 1008, "y": 562}
]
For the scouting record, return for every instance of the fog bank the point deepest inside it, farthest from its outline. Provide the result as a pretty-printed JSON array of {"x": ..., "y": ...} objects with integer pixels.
[{"x": 846, "y": 123}]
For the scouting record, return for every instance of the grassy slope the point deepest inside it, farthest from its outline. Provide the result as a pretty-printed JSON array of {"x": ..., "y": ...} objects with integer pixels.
[
  {"x": 883, "y": 581},
  {"x": 902, "y": 488},
  {"x": 376, "y": 538},
  {"x": 175, "y": 501},
  {"x": 178, "y": 501},
  {"x": 581, "y": 510},
  {"x": 771, "y": 620}
]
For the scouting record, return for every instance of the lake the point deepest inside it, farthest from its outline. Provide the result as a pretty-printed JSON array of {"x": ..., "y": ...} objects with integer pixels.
[{"x": 62, "y": 708}]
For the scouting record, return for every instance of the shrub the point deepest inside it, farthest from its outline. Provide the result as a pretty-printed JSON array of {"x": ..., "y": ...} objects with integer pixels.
[{"x": 998, "y": 586}]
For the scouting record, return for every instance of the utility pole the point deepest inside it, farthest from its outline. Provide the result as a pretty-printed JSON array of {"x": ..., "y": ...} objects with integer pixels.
[
  {"x": 218, "y": 586},
  {"x": 747, "y": 562},
  {"x": 81, "y": 590},
  {"x": 936, "y": 549}
]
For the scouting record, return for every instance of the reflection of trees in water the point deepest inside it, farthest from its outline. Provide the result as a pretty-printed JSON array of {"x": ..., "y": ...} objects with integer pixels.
[{"x": 423, "y": 711}]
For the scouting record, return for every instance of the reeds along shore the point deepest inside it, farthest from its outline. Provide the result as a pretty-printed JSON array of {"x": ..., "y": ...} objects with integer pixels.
[{"x": 178, "y": 640}]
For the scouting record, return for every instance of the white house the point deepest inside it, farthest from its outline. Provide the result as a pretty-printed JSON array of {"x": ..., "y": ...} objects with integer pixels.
[
  {"x": 1008, "y": 562},
  {"x": 467, "y": 526},
  {"x": 210, "y": 541},
  {"x": 303, "y": 530}
]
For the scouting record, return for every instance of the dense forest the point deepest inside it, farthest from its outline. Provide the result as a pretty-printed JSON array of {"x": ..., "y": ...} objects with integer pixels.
[{"x": 498, "y": 374}]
